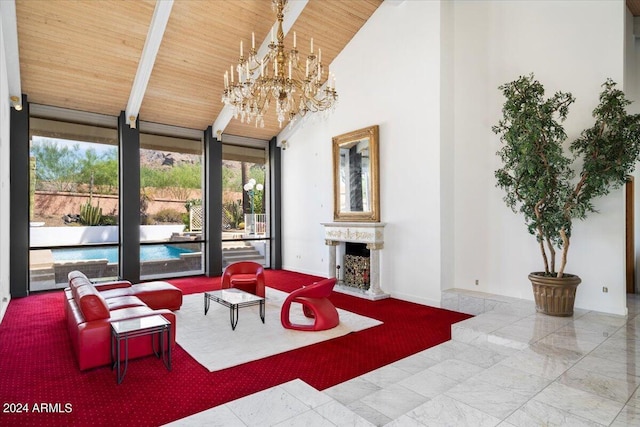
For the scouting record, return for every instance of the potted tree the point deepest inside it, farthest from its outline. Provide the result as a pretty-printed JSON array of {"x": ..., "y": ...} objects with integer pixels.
[{"x": 540, "y": 181}]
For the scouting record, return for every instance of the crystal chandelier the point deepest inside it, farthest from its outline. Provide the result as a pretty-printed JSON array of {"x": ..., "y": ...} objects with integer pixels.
[{"x": 295, "y": 86}]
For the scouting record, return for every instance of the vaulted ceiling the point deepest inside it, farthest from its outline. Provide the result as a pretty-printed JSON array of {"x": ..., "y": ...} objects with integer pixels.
[{"x": 84, "y": 55}]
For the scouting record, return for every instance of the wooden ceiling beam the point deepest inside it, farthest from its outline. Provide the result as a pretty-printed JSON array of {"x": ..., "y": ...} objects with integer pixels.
[
  {"x": 85, "y": 55},
  {"x": 147, "y": 60}
]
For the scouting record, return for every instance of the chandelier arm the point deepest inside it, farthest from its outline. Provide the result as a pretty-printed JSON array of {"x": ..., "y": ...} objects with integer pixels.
[{"x": 294, "y": 86}]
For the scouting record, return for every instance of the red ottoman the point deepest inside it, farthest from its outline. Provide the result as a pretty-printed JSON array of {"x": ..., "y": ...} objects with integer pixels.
[{"x": 158, "y": 295}]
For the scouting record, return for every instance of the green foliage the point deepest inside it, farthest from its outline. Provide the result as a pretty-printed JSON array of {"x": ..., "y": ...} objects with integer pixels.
[
  {"x": 258, "y": 201},
  {"x": 63, "y": 167},
  {"x": 234, "y": 175},
  {"x": 90, "y": 215},
  {"x": 179, "y": 180},
  {"x": 100, "y": 172},
  {"x": 54, "y": 164},
  {"x": 109, "y": 220},
  {"x": 186, "y": 176},
  {"x": 537, "y": 176},
  {"x": 257, "y": 172},
  {"x": 536, "y": 173},
  {"x": 168, "y": 216},
  {"x": 153, "y": 177},
  {"x": 192, "y": 202},
  {"x": 231, "y": 178},
  {"x": 609, "y": 149},
  {"x": 185, "y": 220},
  {"x": 233, "y": 215}
]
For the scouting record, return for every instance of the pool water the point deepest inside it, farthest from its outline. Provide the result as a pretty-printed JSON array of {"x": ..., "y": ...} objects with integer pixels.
[{"x": 147, "y": 253}]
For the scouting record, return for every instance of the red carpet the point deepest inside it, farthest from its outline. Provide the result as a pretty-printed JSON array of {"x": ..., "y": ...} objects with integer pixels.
[{"x": 38, "y": 369}]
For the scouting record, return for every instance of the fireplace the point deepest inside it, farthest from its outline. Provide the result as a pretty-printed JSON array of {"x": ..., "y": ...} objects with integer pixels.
[
  {"x": 354, "y": 257},
  {"x": 356, "y": 272}
]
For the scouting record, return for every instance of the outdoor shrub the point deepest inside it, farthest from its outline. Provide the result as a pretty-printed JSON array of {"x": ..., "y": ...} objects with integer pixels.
[
  {"x": 232, "y": 214},
  {"x": 168, "y": 216},
  {"x": 90, "y": 215},
  {"x": 192, "y": 202},
  {"x": 185, "y": 221},
  {"x": 109, "y": 220}
]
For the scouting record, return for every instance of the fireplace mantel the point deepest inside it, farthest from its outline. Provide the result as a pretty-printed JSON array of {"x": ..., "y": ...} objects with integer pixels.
[{"x": 369, "y": 233}]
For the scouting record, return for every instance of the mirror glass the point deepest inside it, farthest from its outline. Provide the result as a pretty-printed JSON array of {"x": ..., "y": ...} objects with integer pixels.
[{"x": 355, "y": 176}]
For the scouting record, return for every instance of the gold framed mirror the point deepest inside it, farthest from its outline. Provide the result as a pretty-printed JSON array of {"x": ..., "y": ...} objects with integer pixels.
[{"x": 355, "y": 176}]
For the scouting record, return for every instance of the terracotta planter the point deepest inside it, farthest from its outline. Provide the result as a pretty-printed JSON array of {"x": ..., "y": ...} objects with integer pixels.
[{"x": 554, "y": 296}]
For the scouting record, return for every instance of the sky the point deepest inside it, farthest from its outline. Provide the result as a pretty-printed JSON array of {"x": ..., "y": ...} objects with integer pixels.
[{"x": 84, "y": 146}]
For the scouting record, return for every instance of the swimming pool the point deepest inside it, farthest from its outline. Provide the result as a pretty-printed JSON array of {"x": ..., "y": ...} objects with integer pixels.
[{"x": 147, "y": 253}]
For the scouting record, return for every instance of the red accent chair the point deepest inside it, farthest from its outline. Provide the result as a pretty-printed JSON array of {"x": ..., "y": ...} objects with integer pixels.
[
  {"x": 315, "y": 305},
  {"x": 245, "y": 275}
]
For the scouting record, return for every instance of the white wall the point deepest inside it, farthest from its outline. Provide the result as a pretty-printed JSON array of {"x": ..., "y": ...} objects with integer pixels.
[
  {"x": 570, "y": 46},
  {"x": 447, "y": 152},
  {"x": 4, "y": 180},
  {"x": 428, "y": 74},
  {"x": 388, "y": 75},
  {"x": 60, "y": 236}
]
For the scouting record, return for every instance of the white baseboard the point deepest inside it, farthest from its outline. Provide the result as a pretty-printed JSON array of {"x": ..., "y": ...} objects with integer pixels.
[
  {"x": 3, "y": 307},
  {"x": 298, "y": 270}
]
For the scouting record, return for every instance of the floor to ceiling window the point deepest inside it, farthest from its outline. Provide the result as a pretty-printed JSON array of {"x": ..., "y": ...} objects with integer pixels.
[
  {"x": 171, "y": 206},
  {"x": 75, "y": 213},
  {"x": 73, "y": 200},
  {"x": 245, "y": 195}
]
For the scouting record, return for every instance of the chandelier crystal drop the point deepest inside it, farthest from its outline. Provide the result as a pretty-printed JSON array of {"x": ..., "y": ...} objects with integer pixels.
[{"x": 295, "y": 86}]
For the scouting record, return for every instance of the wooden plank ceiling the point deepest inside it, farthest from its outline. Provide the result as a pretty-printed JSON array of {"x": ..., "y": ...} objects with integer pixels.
[{"x": 83, "y": 55}]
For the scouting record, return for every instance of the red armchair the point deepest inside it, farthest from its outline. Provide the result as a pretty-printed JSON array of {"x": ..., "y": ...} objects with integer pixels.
[
  {"x": 245, "y": 275},
  {"x": 315, "y": 305}
]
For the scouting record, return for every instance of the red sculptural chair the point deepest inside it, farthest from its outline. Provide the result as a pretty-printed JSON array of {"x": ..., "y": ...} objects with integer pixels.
[
  {"x": 245, "y": 275},
  {"x": 315, "y": 305}
]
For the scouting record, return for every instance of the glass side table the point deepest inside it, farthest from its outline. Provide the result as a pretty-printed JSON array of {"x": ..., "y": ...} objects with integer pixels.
[
  {"x": 233, "y": 299},
  {"x": 155, "y": 326}
]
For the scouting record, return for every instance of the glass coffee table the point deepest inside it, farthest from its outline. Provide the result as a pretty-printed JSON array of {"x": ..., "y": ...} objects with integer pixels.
[
  {"x": 234, "y": 299},
  {"x": 122, "y": 331}
]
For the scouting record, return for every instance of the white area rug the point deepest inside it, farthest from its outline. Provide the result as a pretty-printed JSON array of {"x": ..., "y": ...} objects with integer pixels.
[{"x": 211, "y": 341}]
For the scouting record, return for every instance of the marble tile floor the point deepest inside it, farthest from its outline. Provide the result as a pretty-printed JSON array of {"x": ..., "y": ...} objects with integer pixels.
[{"x": 505, "y": 367}]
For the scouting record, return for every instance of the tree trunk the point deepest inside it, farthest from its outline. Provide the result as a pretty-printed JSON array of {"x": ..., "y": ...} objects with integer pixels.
[
  {"x": 246, "y": 203},
  {"x": 552, "y": 252},
  {"x": 541, "y": 237},
  {"x": 544, "y": 256},
  {"x": 565, "y": 249}
]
